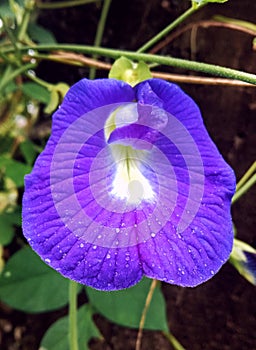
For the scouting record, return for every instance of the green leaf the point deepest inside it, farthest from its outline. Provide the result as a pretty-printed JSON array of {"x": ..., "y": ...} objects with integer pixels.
[
  {"x": 36, "y": 92},
  {"x": 14, "y": 170},
  {"x": 6, "y": 231},
  {"x": 126, "y": 70},
  {"x": 7, "y": 222},
  {"x": 125, "y": 307},
  {"x": 40, "y": 34},
  {"x": 28, "y": 284},
  {"x": 28, "y": 150},
  {"x": 56, "y": 337}
]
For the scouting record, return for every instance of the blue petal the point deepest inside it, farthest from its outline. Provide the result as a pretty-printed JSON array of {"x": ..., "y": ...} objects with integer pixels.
[{"x": 190, "y": 256}]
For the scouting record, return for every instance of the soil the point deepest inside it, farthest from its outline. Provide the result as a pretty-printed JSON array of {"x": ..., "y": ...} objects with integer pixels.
[{"x": 220, "y": 314}]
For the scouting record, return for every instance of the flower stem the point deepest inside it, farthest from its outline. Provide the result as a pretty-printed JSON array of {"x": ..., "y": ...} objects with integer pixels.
[
  {"x": 169, "y": 61},
  {"x": 73, "y": 339},
  {"x": 61, "y": 4},
  {"x": 144, "y": 313},
  {"x": 169, "y": 28},
  {"x": 246, "y": 176},
  {"x": 41, "y": 82},
  {"x": 29, "y": 6},
  {"x": 11, "y": 38},
  {"x": 10, "y": 75},
  {"x": 244, "y": 188},
  {"x": 99, "y": 32},
  {"x": 175, "y": 343}
]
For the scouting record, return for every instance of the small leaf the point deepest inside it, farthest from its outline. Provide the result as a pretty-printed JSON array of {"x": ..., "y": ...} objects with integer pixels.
[
  {"x": 53, "y": 103},
  {"x": 7, "y": 222},
  {"x": 14, "y": 170},
  {"x": 36, "y": 92},
  {"x": 130, "y": 72},
  {"x": 125, "y": 307},
  {"x": 28, "y": 150},
  {"x": 56, "y": 337},
  {"x": 29, "y": 285},
  {"x": 41, "y": 35},
  {"x": 6, "y": 231}
]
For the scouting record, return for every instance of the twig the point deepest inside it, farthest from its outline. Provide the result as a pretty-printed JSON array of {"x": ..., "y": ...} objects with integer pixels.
[
  {"x": 144, "y": 313},
  {"x": 203, "y": 24},
  {"x": 179, "y": 78}
]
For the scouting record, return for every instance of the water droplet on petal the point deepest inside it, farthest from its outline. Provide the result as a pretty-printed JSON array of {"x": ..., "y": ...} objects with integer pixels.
[
  {"x": 108, "y": 256},
  {"x": 153, "y": 235},
  {"x": 81, "y": 245},
  {"x": 94, "y": 247},
  {"x": 47, "y": 261}
]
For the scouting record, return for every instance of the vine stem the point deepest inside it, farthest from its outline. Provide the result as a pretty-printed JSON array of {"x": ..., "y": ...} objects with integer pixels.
[
  {"x": 144, "y": 313},
  {"x": 175, "y": 343},
  {"x": 246, "y": 176},
  {"x": 62, "y": 4},
  {"x": 244, "y": 188},
  {"x": 169, "y": 61},
  {"x": 10, "y": 75},
  {"x": 99, "y": 33},
  {"x": 81, "y": 61},
  {"x": 169, "y": 28},
  {"x": 73, "y": 339}
]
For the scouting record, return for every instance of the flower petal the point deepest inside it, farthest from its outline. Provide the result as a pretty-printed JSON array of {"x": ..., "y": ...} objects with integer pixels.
[
  {"x": 203, "y": 242},
  {"x": 153, "y": 197}
]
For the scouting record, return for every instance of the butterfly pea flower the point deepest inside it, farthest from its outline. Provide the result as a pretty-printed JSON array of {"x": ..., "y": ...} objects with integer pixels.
[
  {"x": 243, "y": 257},
  {"x": 129, "y": 185}
]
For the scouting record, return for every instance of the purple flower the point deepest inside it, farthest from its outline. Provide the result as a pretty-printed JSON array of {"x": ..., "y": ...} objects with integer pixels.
[{"x": 129, "y": 184}]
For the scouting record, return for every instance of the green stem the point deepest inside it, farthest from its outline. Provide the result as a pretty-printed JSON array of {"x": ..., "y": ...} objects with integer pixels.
[
  {"x": 9, "y": 76},
  {"x": 99, "y": 33},
  {"x": 175, "y": 343},
  {"x": 246, "y": 176},
  {"x": 169, "y": 28},
  {"x": 73, "y": 339},
  {"x": 244, "y": 189},
  {"x": 62, "y": 4},
  {"x": 41, "y": 82},
  {"x": 11, "y": 37},
  {"x": 169, "y": 61},
  {"x": 25, "y": 20}
]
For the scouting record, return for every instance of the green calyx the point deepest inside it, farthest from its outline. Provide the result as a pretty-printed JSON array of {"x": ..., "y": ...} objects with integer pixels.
[{"x": 130, "y": 72}]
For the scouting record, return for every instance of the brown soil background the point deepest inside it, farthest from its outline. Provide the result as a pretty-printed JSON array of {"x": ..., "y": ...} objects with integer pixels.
[{"x": 220, "y": 314}]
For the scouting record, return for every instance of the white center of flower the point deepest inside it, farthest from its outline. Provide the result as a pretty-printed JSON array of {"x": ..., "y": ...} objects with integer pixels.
[{"x": 129, "y": 183}]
